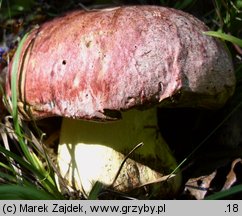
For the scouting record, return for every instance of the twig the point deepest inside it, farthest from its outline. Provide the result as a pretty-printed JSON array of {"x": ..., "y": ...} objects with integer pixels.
[{"x": 124, "y": 160}]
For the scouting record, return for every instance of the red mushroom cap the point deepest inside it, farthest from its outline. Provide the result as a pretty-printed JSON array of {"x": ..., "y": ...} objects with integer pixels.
[{"x": 85, "y": 64}]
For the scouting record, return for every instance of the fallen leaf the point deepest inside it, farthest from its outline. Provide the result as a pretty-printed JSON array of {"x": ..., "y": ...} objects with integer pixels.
[
  {"x": 231, "y": 177},
  {"x": 198, "y": 187}
]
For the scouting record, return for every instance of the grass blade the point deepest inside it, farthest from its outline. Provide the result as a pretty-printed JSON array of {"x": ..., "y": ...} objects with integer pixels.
[
  {"x": 44, "y": 180},
  {"x": 32, "y": 159},
  {"x": 225, "y": 193},
  {"x": 17, "y": 192},
  {"x": 14, "y": 91},
  {"x": 226, "y": 37}
]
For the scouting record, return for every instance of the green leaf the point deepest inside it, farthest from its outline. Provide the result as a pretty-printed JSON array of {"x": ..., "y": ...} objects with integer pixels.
[
  {"x": 225, "y": 193},
  {"x": 96, "y": 189},
  {"x": 41, "y": 176},
  {"x": 226, "y": 37},
  {"x": 18, "y": 192},
  {"x": 239, "y": 4},
  {"x": 8, "y": 177}
]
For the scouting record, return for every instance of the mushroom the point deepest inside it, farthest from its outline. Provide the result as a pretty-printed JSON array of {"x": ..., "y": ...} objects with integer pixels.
[{"x": 105, "y": 72}]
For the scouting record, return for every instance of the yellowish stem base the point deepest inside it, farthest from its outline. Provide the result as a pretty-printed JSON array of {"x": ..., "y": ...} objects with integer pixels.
[{"x": 93, "y": 151}]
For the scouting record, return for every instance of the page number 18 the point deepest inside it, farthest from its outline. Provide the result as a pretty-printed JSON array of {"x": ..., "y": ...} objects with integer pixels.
[{"x": 232, "y": 208}]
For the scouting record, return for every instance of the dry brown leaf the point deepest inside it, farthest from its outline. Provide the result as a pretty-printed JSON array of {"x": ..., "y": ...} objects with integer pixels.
[
  {"x": 198, "y": 187},
  {"x": 231, "y": 177}
]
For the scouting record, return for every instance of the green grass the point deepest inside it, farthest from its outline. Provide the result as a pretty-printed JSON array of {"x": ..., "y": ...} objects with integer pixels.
[
  {"x": 226, "y": 193},
  {"x": 225, "y": 37},
  {"x": 27, "y": 174},
  {"x": 32, "y": 159}
]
